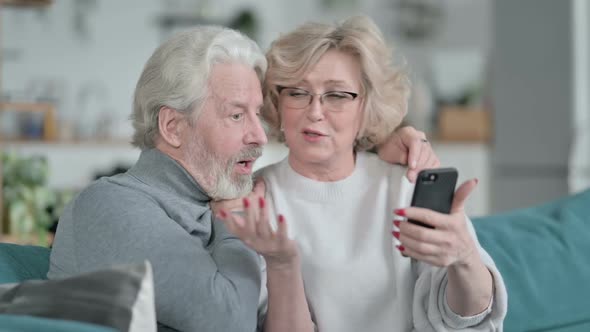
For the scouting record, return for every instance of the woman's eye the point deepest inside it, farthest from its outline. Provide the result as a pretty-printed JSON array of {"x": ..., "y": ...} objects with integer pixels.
[
  {"x": 297, "y": 94},
  {"x": 336, "y": 95},
  {"x": 237, "y": 116}
]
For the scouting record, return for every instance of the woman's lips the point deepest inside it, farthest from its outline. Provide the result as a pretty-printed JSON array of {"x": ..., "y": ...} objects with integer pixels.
[{"x": 311, "y": 135}]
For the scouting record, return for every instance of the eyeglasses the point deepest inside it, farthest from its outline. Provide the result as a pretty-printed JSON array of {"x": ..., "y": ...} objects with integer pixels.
[{"x": 335, "y": 101}]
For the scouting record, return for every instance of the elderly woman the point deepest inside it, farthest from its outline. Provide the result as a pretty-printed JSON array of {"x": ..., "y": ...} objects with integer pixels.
[{"x": 332, "y": 261}]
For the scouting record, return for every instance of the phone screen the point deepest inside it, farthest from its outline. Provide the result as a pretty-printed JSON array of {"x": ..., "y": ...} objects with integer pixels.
[{"x": 434, "y": 190}]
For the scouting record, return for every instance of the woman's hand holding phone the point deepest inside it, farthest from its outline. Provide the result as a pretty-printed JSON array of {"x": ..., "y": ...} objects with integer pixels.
[{"x": 447, "y": 241}]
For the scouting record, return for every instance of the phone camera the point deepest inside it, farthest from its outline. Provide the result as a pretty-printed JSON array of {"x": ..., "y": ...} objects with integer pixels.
[{"x": 430, "y": 177}]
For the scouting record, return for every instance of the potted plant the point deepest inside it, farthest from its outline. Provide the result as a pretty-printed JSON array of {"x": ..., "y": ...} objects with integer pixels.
[{"x": 27, "y": 198}]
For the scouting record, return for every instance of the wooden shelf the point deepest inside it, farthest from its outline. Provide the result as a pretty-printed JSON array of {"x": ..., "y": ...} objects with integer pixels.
[
  {"x": 49, "y": 115},
  {"x": 25, "y": 3},
  {"x": 25, "y": 106},
  {"x": 108, "y": 142}
]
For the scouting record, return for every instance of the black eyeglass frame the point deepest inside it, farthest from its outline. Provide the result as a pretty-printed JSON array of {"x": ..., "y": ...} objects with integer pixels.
[{"x": 280, "y": 88}]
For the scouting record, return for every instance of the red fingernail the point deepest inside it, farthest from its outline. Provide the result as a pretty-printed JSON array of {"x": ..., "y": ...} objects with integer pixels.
[
  {"x": 281, "y": 218},
  {"x": 395, "y": 234},
  {"x": 261, "y": 202},
  {"x": 246, "y": 202},
  {"x": 401, "y": 248},
  {"x": 396, "y": 223},
  {"x": 400, "y": 212},
  {"x": 222, "y": 214}
]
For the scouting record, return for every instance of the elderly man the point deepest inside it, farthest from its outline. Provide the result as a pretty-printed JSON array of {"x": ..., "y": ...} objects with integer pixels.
[{"x": 196, "y": 120}]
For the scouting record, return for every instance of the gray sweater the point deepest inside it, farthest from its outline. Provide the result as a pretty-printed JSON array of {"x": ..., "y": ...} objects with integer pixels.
[{"x": 205, "y": 278}]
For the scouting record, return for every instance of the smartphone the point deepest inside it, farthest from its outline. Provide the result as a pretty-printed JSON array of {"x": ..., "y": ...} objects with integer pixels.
[{"x": 434, "y": 190}]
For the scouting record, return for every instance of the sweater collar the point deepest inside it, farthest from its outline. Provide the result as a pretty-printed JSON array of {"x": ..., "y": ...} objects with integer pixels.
[
  {"x": 157, "y": 169},
  {"x": 313, "y": 190}
]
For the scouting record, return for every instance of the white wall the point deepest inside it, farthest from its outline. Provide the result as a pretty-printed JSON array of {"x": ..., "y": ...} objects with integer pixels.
[
  {"x": 95, "y": 72},
  {"x": 105, "y": 63}
]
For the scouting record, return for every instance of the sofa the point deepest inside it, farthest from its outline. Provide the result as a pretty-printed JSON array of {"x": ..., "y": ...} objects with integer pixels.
[
  {"x": 543, "y": 253},
  {"x": 120, "y": 298}
]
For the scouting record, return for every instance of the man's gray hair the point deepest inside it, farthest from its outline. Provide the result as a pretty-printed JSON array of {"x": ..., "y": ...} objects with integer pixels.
[{"x": 176, "y": 75}]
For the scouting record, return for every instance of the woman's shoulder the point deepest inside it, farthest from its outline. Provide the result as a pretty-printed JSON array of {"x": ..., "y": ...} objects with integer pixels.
[{"x": 374, "y": 166}]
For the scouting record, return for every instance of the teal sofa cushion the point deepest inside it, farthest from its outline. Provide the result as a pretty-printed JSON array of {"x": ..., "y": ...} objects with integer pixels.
[
  {"x": 10, "y": 323},
  {"x": 543, "y": 254},
  {"x": 121, "y": 297},
  {"x": 19, "y": 263}
]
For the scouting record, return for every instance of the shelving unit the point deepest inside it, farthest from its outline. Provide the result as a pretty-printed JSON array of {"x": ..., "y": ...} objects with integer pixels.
[
  {"x": 25, "y": 3},
  {"x": 49, "y": 127},
  {"x": 47, "y": 109}
]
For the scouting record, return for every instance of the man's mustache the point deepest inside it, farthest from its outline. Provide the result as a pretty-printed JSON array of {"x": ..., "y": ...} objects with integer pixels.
[{"x": 248, "y": 154}]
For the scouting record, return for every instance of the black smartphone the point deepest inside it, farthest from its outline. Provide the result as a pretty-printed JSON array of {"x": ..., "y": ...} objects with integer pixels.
[{"x": 434, "y": 190}]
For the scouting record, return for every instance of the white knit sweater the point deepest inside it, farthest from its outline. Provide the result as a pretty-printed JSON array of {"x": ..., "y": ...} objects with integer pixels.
[{"x": 355, "y": 279}]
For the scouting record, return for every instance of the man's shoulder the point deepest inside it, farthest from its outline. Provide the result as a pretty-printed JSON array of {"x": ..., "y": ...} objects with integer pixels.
[
  {"x": 112, "y": 194},
  {"x": 119, "y": 185}
]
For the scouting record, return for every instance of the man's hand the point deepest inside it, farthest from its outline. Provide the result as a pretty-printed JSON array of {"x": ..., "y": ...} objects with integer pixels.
[{"x": 408, "y": 146}]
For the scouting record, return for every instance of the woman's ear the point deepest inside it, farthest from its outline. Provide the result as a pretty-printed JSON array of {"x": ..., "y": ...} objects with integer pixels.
[{"x": 171, "y": 124}]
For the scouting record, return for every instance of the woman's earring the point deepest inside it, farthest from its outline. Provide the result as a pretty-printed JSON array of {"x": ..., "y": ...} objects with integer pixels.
[{"x": 282, "y": 128}]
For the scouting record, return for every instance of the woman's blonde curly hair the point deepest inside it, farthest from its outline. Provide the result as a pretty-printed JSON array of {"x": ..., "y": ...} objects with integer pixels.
[{"x": 385, "y": 87}]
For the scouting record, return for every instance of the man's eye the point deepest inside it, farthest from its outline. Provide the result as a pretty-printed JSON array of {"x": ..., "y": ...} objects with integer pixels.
[{"x": 237, "y": 116}]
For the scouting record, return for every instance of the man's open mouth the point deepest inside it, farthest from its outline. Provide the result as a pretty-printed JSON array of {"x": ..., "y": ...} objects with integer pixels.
[{"x": 246, "y": 163}]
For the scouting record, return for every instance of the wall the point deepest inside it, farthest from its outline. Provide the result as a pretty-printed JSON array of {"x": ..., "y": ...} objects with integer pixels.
[
  {"x": 94, "y": 63},
  {"x": 93, "y": 68},
  {"x": 91, "y": 52},
  {"x": 532, "y": 99}
]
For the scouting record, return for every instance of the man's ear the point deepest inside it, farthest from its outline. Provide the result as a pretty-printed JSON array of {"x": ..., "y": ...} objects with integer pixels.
[{"x": 171, "y": 124}]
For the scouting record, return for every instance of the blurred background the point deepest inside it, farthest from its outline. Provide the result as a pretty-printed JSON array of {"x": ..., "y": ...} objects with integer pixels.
[{"x": 501, "y": 87}]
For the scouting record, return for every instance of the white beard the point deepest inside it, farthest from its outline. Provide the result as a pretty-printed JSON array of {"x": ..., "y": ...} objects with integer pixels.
[{"x": 217, "y": 177}]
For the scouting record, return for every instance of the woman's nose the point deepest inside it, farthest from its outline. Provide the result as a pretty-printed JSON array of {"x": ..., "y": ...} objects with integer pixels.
[{"x": 315, "y": 110}]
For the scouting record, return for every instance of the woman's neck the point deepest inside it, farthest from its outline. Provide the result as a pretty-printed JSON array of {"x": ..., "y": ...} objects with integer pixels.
[{"x": 330, "y": 170}]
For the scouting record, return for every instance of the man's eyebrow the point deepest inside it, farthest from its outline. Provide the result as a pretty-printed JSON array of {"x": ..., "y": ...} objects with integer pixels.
[
  {"x": 244, "y": 106},
  {"x": 238, "y": 104}
]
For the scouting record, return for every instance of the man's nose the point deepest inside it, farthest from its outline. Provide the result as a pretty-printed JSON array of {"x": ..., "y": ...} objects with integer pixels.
[{"x": 255, "y": 133}]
